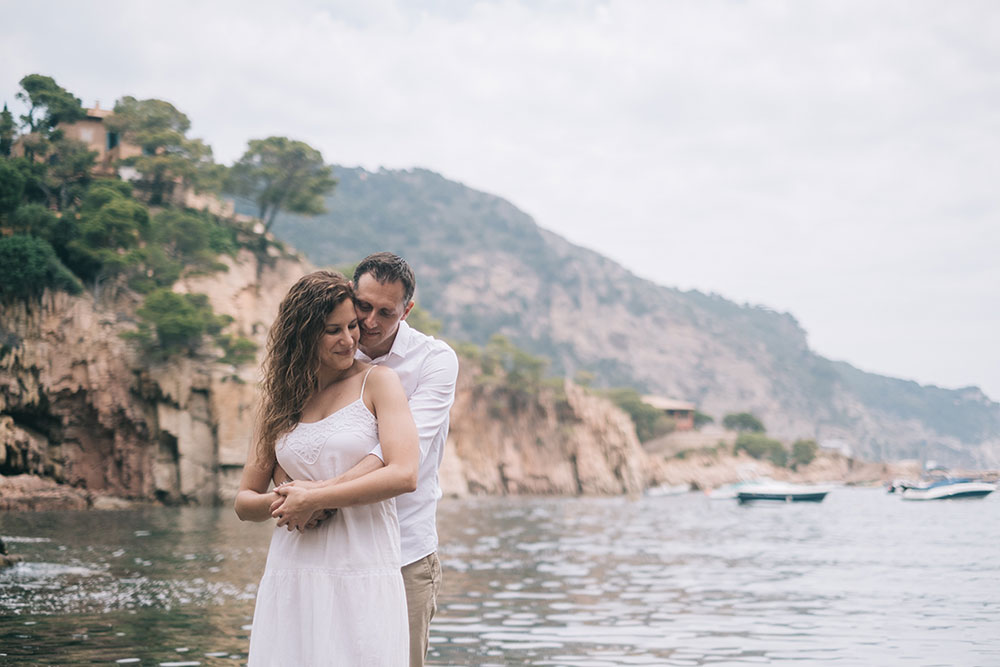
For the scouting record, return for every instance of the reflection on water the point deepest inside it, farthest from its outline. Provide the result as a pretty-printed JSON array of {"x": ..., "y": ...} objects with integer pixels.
[
  {"x": 862, "y": 578},
  {"x": 152, "y": 586}
]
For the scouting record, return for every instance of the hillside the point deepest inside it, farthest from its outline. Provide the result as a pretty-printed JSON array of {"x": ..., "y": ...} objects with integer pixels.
[
  {"x": 484, "y": 267},
  {"x": 86, "y": 420}
]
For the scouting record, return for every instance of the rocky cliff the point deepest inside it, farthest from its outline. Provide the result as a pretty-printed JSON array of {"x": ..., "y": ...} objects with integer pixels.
[
  {"x": 80, "y": 406},
  {"x": 556, "y": 442},
  {"x": 85, "y": 419}
]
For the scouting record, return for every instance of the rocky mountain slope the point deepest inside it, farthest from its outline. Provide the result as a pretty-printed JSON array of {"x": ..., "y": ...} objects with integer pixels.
[
  {"x": 85, "y": 420},
  {"x": 485, "y": 267}
]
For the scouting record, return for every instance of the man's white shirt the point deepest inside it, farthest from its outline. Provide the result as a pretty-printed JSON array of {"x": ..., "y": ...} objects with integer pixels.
[{"x": 428, "y": 369}]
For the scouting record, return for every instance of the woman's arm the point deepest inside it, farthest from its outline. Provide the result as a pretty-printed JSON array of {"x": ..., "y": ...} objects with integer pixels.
[
  {"x": 368, "y": 464},
  {"x": 253, "y": 500},
  {"x": 398, "y": 437}
]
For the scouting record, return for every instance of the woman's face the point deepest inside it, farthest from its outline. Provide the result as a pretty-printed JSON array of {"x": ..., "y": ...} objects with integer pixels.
[{"x": 339, "y": 339}]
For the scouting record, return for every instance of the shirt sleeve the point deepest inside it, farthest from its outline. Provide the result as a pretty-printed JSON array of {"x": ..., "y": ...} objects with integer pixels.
[{"x": 431, "y": 402}]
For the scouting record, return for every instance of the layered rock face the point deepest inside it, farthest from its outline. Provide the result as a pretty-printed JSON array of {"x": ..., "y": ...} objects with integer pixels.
[
  {"x": 505, "y": 442},
  {"x": 69, "y": 411},
  {"x": 84, "y": 417},
  {"x": 80, "y": 406}
]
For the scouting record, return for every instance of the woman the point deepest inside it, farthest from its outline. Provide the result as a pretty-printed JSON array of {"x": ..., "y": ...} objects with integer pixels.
[{"x": 333, "y": 594}]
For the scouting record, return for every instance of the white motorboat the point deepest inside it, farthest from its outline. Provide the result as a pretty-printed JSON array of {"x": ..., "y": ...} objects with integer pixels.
[
  {"x": 668, "y": 489},
  {"x": 949, "y": 488}
]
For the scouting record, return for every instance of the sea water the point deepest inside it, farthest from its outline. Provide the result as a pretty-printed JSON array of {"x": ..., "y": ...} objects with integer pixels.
[{"x": 863, "y": 578}]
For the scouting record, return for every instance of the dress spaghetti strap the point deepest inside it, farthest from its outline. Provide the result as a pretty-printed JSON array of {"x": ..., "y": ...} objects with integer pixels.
[{"x": 363, "y": 381}]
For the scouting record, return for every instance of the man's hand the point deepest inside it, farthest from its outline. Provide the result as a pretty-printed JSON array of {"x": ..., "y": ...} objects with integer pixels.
[
  {"x": 294, "y": 509},
  {"x": 318, "y": 517}
]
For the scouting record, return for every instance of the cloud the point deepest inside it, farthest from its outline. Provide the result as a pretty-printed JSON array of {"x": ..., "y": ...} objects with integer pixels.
[{"x": 833, "y": 159}]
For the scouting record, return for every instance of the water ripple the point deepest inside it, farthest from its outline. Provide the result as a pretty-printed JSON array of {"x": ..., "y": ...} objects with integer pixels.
[{"x": 861, "y": 579}]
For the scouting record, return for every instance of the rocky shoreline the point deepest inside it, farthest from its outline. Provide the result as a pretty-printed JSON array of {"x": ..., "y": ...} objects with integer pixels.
[
  {"x": 87, "y": 423},
  {"x": 25, "y": 493},
  {"x": 705, "y": 471}
]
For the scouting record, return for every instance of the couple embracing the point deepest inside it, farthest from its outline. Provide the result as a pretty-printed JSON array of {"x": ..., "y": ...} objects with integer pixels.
[{"x": 352, "y": 426}]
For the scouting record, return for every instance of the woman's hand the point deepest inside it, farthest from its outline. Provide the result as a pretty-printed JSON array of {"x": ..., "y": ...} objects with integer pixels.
[{"x": 294, "y": 507}]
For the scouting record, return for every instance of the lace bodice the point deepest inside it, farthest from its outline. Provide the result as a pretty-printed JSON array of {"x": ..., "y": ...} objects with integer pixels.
[{"x": 330, "y": 446}]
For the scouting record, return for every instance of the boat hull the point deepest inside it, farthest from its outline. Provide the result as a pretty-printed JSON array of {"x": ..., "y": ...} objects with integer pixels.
[
  {"x": 787, "y": 497},
  {"x": 950, "y": 491}
]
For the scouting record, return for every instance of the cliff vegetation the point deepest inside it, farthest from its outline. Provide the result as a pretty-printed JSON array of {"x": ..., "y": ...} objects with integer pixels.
[
  {"x": 135, "y": 302},
  {"x": 486, "y": 268},
  {"x": 134, "y": 306}
]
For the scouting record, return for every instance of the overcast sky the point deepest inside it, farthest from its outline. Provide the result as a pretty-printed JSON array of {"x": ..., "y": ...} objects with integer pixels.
[{"x": 837, "y": 160}]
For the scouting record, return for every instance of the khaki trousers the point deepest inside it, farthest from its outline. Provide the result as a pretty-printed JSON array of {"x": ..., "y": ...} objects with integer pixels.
[{"x": 422, "y": 580}]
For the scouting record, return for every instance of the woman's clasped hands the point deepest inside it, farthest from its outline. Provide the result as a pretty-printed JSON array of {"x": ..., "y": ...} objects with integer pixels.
[{"x": 295, "y": 507}]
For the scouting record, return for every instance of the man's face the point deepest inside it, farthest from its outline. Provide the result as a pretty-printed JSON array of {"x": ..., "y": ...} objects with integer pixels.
[{"x": 380, "y": 307}]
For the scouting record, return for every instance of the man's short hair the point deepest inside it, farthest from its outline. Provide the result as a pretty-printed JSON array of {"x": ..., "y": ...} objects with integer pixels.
[{"x": 386, "y": 267}]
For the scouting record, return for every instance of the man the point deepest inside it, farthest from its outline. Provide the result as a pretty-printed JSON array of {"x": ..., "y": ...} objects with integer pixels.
[{"x": 428, "y": 369}]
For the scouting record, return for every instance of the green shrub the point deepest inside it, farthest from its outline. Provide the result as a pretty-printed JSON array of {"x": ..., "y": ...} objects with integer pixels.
[
  {"x": 194, "y": 237},
  {"x": 422, "y": 321},
  {"x": 179, "y": 242},
  {"x": 760, "y": 447},
  {"x": 103, "y": 192},
  {"x": 28, "y": 266},
  {"x": 110, "y": 227},
  {"x": 804, "y": 452},
  {"x": 700, "y": 419},
  {"x": 649, "y": 422},
  {"x": 521, "y": 372},
  {"x": 468, "y": 351},
  {"x": 237, "y": 350},
  {"x": 11, "y": 187},
  {"x": 744, "y": 422},
  {"x": 153, "y": 269},
  {"x": 33, "y": 220},
  {"x": 179, "y": 322}
]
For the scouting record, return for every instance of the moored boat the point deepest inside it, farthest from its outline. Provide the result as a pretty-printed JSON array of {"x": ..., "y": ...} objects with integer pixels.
[
  {"x": 783, "y": 492},
  {"x": 668, "y": 489},
  {"x": 946, "y": 489}
]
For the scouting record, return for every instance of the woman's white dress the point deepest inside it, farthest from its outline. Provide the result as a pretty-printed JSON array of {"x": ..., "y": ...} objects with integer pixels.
[{"x": 333, "y": 595}]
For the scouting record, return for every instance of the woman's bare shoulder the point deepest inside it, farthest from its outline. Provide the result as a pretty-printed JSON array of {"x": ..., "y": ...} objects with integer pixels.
[
  {"x": 383, "y": 388},
  {"x": 382, "y": 376}
]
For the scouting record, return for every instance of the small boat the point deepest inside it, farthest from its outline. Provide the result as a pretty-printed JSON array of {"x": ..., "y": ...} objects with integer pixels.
[
  {"x": 668, "y": 489},
  {"x": 949, "y": 488},
  {"x": 783, "y": 492}
]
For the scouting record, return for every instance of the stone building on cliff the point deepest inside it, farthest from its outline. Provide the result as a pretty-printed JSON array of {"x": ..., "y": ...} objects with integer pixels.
[
  {"x": 111, "y": 148},
  {"x": 681, "y": 412}
]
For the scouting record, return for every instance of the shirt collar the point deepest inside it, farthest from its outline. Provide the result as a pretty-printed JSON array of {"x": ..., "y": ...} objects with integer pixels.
[{"x": 400, "y": 344}]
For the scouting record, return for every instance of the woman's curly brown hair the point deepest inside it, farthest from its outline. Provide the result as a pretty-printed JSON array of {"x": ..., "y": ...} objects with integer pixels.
[{"x": 291, "y": 363}]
